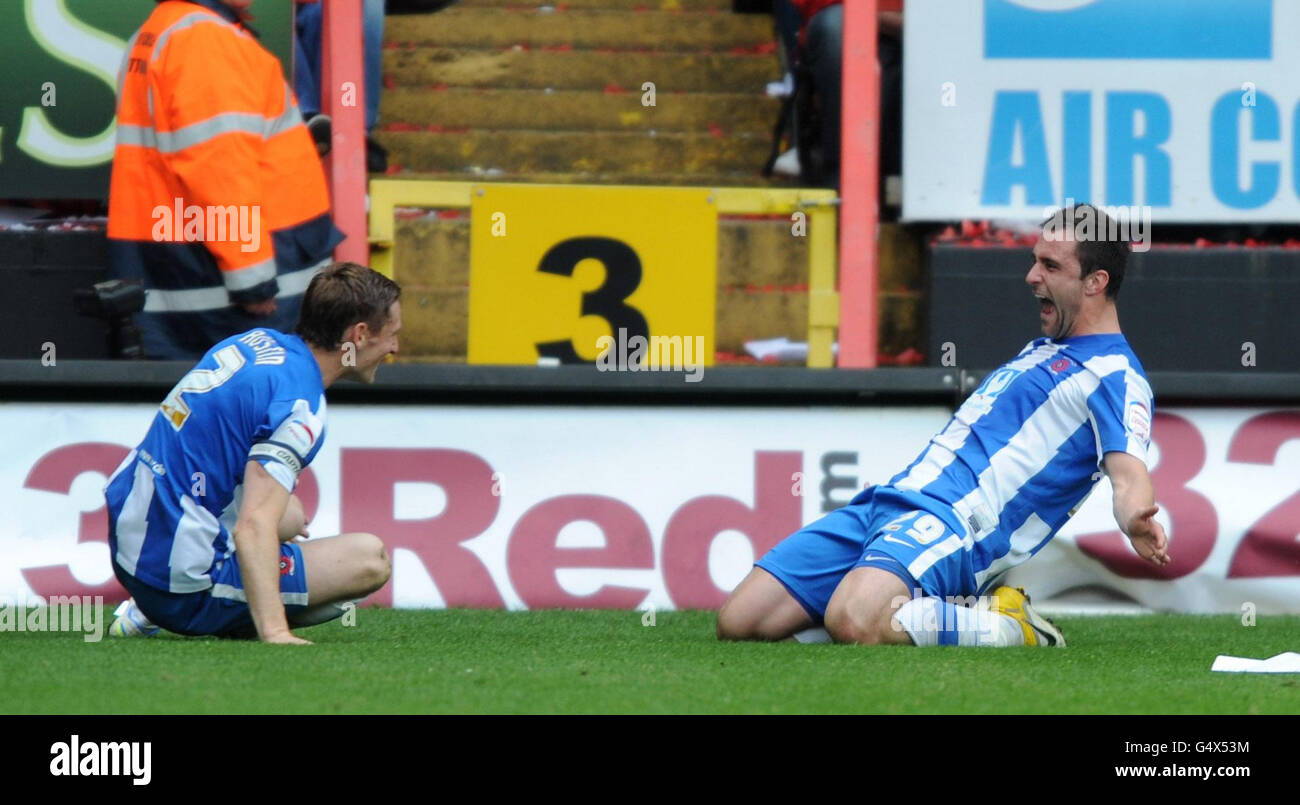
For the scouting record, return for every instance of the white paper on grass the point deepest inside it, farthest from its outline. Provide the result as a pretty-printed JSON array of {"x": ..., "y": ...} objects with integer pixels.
[{"x": 1288, "y": 663}]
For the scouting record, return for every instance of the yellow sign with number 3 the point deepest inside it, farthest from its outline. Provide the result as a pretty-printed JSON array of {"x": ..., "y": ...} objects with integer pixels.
[{"x": 555, "y": 269}]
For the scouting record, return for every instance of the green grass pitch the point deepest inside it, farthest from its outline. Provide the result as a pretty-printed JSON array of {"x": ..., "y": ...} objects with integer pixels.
[{"x": 467, "y": 661}]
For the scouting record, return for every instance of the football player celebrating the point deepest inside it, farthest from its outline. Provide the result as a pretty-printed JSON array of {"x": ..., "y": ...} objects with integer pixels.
[
  {"x": 898, "y": 563},
  {"x": 202, "y": 515}
]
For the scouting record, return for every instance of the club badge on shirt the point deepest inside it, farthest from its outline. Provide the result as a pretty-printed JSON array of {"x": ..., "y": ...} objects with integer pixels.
[{"x": 1138, "y": 421}]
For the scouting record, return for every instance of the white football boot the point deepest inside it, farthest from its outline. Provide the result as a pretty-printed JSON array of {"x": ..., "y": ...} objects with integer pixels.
[{"x": 131, "y": 622}]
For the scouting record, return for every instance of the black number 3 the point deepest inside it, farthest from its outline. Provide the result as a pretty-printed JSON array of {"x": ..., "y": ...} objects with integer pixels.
[{"x": 622, "y": 276}]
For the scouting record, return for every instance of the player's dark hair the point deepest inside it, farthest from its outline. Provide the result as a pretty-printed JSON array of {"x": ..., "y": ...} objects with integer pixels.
[
  {"x": 1102, "y": 248},
  {"x": 341, "y": 295}
]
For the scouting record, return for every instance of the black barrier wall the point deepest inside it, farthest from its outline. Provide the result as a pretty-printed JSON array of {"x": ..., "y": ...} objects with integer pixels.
[
  {"x": 1187, "y": 310},
  {"x": 39, "y": 271},
  {"x": 149, "y": 381}
]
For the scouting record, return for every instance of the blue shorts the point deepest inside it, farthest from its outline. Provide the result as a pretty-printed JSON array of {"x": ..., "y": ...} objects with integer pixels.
[
  {"x": 222, "y": 609},
  {"x": 883, "y": 528}
]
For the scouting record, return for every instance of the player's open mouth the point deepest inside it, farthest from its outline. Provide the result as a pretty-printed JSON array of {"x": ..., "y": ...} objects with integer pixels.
[{"x": 1046, "y": 306}]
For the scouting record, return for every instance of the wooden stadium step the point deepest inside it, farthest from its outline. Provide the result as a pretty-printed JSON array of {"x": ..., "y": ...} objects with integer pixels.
[
  {"x": 497, "y": 89},
  {"x": 762, "y": 281},
  {"x": 526, "y": 151},
  {"x": 435, "y": 324},
  {"x": 481, "y": 27},
  {"x": 529, "y": 91},
  {"x": 752, "y": 252},
  {"x": 628, "y": 69},
  {"x": 748, "y": 178},
  {"x": 590, "y": 110}
]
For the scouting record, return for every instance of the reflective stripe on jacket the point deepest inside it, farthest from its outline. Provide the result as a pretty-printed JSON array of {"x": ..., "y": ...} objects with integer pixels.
[{"x": 216, "y": 187}]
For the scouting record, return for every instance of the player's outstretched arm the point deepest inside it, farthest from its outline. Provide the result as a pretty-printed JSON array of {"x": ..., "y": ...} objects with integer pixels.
[
  {"x": 1135, "y": 507},
  {"x": 257, "y": 545}
]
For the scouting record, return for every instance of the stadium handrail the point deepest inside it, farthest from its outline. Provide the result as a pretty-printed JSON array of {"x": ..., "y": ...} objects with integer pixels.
[
  {"x": 441, "y": 384},
  {"x": 859, "y": 188},
  {"x": 341, "y": 58}
]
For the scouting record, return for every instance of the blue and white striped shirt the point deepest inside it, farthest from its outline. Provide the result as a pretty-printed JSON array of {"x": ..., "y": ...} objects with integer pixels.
[
  {"x": 1023, "y": 452},
  {"x": 257, "y": 396}
]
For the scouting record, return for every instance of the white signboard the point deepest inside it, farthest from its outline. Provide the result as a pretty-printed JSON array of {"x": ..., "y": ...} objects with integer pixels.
[
  {"x": 532, "y": 507},
  {"x": 1188, "y": 107}
]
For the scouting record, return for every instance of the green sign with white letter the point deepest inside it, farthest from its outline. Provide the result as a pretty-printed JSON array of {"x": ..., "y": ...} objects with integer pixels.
[{"x": 60, "y": 60}]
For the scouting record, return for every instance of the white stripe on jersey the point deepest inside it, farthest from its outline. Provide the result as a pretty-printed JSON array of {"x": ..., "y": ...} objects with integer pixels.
[
  {"x": 1103, "y": 365},
  {"x": 133, "y": 521},
  {"x": 126, "y": 462},
  {"x": 934, "y": 553},
  {"x": 192, "y": 548},
  {"x": 1041, "y": 436},
  {"x": 942, "y": 450},
  {"x": 1031, "y": 449},
  {"x": 1136, "y": 389},
  {"x": 282, "y": 473},
  {"x": 235, "y": 594},
  {"x": 1096, "y": 436},
  {"x": 1023, "y": 542}
]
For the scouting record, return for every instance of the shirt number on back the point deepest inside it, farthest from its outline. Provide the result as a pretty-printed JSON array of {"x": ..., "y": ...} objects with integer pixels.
[{"x": 199, "y": 381}]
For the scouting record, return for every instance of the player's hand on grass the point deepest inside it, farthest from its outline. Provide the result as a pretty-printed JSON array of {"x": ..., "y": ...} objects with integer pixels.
[
  {"x": 1148, "y": 536},
  {"x": 285, "y": 638}
]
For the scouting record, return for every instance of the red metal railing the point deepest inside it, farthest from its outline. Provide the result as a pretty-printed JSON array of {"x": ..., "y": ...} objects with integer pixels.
[
  {"x": 343, "y": 98},
  {"x": 859, "y": 187},
  {"x": 342, "y": 77}
]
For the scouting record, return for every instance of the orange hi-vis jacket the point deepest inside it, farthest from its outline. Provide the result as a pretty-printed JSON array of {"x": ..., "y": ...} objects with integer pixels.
[{"x": 218, "y": 196}]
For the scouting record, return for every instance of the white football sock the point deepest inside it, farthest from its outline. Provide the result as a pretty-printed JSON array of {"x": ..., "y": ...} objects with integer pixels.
[
  {"x": 813, "y": 634},
  {"x": 321, "y": 613},
  {"x": 934, "y": 622}
]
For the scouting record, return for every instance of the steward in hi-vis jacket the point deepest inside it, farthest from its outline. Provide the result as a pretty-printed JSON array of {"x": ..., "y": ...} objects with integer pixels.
[{"x": 218, "y": 201}]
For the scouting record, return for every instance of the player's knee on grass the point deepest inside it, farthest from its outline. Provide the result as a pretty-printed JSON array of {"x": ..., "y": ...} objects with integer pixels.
[
  {"x": 376, "y": 566},
  {"x": 862, "y": 608},
  {"x": 868, "y": 627},
  {"x": 760, "y": 608},
  {"x": 743, "y": 619},
  {"x": 735, "y": 623}
]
